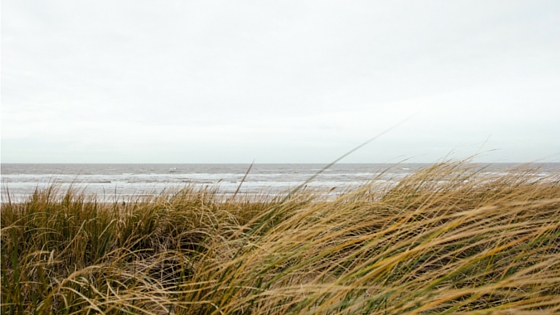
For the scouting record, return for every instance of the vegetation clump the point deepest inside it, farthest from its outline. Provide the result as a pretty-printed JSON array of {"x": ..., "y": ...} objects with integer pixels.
[{"x": 446, "y": 239}]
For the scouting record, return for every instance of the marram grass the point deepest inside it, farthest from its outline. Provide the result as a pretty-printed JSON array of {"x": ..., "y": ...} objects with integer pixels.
[{"x": 445, "y": 240}]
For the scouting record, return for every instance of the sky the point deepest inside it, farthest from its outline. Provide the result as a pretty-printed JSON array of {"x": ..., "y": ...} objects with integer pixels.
[{"x": 279, "y": 81}]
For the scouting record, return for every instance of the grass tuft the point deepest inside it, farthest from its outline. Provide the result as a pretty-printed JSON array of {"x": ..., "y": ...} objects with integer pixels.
[{"x": 446, "y": 239}]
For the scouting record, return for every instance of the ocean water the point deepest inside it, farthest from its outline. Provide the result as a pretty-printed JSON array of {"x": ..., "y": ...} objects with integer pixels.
[{"x": 128, "y": 180}]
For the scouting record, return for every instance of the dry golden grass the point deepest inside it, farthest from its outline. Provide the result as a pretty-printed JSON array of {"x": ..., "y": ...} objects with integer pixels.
[{"x": 444, "y": 240}]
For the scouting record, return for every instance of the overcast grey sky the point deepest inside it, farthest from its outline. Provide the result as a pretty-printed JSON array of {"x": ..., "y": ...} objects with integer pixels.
[{"x": 284, "y": 81}]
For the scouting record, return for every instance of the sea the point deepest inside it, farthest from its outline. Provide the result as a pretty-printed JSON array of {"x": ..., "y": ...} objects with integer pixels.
[{"x": 125, "y": 181}]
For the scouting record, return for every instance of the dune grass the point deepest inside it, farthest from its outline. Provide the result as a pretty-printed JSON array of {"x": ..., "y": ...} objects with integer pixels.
[{"x": 443, "y": 240}]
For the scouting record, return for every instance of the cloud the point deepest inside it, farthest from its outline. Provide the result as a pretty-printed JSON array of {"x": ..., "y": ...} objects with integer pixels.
[{"x": 244, "y": 77}]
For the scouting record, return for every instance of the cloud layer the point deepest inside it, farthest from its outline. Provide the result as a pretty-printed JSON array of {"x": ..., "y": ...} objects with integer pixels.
[{"x": 222, "y": 82}]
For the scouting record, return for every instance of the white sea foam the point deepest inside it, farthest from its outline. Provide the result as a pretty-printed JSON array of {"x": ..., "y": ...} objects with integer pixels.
[{"x": 123, "y": 180}]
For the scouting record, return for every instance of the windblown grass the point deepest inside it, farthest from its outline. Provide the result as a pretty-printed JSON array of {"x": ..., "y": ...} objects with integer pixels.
[{"x": 443, "y": 240}]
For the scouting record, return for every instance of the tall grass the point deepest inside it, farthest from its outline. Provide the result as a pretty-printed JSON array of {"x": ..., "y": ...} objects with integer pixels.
[{"x": 444, "y": 240}]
